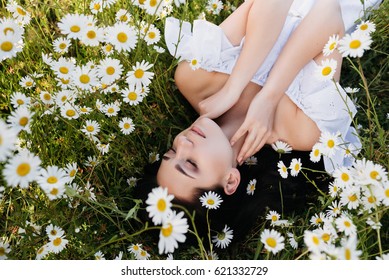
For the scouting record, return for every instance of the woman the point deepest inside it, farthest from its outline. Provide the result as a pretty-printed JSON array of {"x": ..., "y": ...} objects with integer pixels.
[{"x": 255, "y": 86}]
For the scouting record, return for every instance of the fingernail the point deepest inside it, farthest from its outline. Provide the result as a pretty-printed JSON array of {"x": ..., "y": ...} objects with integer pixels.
[
  {"x": 232, "y": 143},
  {"x": 239, "y": 159}
]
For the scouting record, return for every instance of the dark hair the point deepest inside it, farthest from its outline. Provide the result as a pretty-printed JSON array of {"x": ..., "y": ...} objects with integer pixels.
[{"x": 240, "y": 210}]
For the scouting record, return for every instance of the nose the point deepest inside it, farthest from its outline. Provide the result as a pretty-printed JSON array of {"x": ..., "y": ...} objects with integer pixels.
[{"x": 183, "y": 146}]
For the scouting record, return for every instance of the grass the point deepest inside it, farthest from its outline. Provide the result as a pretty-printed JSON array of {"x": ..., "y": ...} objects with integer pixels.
[{"x": 109, "y": 224}]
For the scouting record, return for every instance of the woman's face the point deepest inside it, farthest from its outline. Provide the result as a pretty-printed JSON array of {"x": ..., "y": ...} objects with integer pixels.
[{"x": 201, "y": 157}]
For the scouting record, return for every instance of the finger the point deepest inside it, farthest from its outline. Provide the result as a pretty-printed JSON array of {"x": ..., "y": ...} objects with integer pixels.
[
  {"x": 257, "y": 146},
  {"x": 250, "y": 138},
  {"x": 239, "y": 133}
]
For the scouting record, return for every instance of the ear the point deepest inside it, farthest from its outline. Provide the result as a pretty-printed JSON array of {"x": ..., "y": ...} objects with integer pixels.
[{"x": 232, "y": 181}]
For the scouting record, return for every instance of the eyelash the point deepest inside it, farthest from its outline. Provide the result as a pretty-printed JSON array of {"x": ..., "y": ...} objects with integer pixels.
[{"x": 188, "y": 160}]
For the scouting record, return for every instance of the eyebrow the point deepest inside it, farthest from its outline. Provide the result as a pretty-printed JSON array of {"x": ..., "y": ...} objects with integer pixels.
[{"x": 179, "y": 168}]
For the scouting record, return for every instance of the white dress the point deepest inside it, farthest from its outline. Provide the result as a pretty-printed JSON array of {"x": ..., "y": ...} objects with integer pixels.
[{"x": 326, "y": 103}]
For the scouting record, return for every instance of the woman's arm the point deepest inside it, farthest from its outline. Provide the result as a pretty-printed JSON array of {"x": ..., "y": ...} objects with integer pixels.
[
  {"x": 260, "y": 22},
  {"x": 304, "y": 44}
]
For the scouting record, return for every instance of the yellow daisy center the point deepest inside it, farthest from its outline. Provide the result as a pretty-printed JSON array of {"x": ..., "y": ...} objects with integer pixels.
[
  {"x": 90, "y": 128},
  {"x": 386, "y": 193},
  {"x": 40, "y": 251},
  {"x": 325, "y": 237},
  {"x": 210, "y": 201},
  {"x": 139, "y": 73},
  {"x": 84, "y": 78},
  {"x": 347, "y": 224},
  {"x": 96, "y": 6},
  {"x": 141, "y": 2},
  {"x": 72, "y": 173},
  {"x": 6, "y": 46},
  {"x": 194, "y": 62},
  {"x": 1, "y": 140},
  {"x": 110, "y": 70},
  {"x": 65, "y": 81},
  {"x": 167, "y": 231},
  {"x": 52, "y": 180},
  {"x": 316, "y": 240},
  {"x": 20, "y": 101},
  {"x": 28, "y": 83},
  {"x": 363, "y": 26},
  {"x": 135, "y": 247},
  {"x": 108, "y": 48},
  {"x": 75, "y": 29},
  {"x": 152, "y": 35},
  {"x": 316, "y": 152},
  {"x": 326, "y": 71},
  {"x": 347, "y": 254},
  {"x": 63, "y": 69},
  {"x": 122, "y": 37},
  {"x": 47, "y": 96},
  {"x": 214, "y": 6},
  {"x": 57, "y": 241},
  {"x": 284, "y": 169},
  {"x": 371, "y": 199},
  {"x": 2, "y": 251},
  {"x": 153, "y": 3},
  {"x": 274, "y": 218},
  {"x": 355, "y": 44},
  {"x": 70, "y": 113},
  {"x": 8, "y": 29},
  {"x": 126, "y": 126},
  {"x": 271, "y": 242},
  {"x": 54, "y": 191},
  {"x": 345, "y": 177},
  {"x": 352, "y": 198},
  {"x": 23, "y": 169},
  {"x": 330, "y": 143},
  {"x": 23, "y": 121},
  {"x": 62, "y": 46},
  {"x": 111, "y": 110},
  {"x": 91, "y": 34},
  {"x": 374, "y": 174},
  {"x": 332, "y": 46},
  {"x": 123, "y": 18},
  {"x": 132, "y": 96},
  {"x": 161, "y": 205},
  {"x": 21, "y": 11}
]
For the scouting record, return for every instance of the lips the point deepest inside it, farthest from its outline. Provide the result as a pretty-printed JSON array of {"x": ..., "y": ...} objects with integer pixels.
[{"x": 198, "y": 131}]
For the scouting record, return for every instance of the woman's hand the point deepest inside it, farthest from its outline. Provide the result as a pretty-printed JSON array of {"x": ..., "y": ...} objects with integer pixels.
[
  {"x": 258, "y": 125},
  {"x": 219, "y": 103}
]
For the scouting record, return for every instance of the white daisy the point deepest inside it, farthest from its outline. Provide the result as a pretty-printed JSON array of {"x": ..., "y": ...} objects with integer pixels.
[
  {"x": 346, "y": 225},
  {"x": 84, "y": 77},
  {"x": 122, "y": 36},
  {"x": 42, "y": 252},
  {"x": 214, "y": 6},
  {"x": 53, "y": 231},
  {"x": 9, "y": 25},
  {"x": 139, "y": 76},
  {"x": 281, "y": 147},
  {"x": 20, "y": 119},
  {"x": 27, "y": 82},
  {"x": 123, "y": 15},
  {"x": 22, "y": 169},
  {"x": 143, "y": 255},
  {"x": 4, "y": 250},
  {"x": 61, "y": 45},
  {"x": 159, "y": 49},
  {"x": 73, "y": 25},
  {"x": 211, "y": 200},
  {"x": 8, "y": 139},
  {"x": 71, "y": 170},
  {"x": 91, "y": 128},
  {"x": 354, "y": 44},
  {"x": 18, "y": 12},
  {"x": 70, "y": 111},
  {"x": 99, "y": 256},
  {"x": 63, "y": 67},
  {"x": 343, "y": 177},
  {"x": 334, "y": 209},
  {"x": 93, "y": 36},
  {"x": 10, "y": 45},
  {"x": 65, "y": 96},
  {"x": 251, "y": 160},
  {"x": 103, "y": 148},
  {"x": 109, "y": 70},
  {"x": 85, "y": 110},
  {"x": 348, "y": 250},
  {"x": 273, "y": 240},
  {"x": 126, "y": 125},
  {"x": 154, "y": 7},
  {"x": 326, "y": 70},
  {"x": 194, "y": 63},
  {"x": 313, "y": 241},
  {"x": 317, "y": 219},
  {"x": 89, "y": 191},
  {"x": 330, "y": 143},
  {"x": 383, "y": 195},
  {"x": 132, "y": 95},
  {"x": 251, "y": 187},
  {"x": 373, "y": 174},
  {"x": 366, "y": 27},
  {"x": 282, "y": 169},
  {"x": 96, "y": 6},
  {"x": 159, "y": 205},
  {"x": 273, "y": 216},
  {"x": 52, "y": 180},
  {"x": 57, "y": 244},
  {"x": 292, "y": 240},
  {"x": 107, "y": 49},
  {"x": 331, "y": 45},
  {"x": 315, "y": 154},
  {"x": 135, "y": 249},
  {"x": 111, "y": 109},
  {"x": 333, "y": 189},
  {"x": 295, "y": 167},
  {"x": 350, "y": 197},
  {"x": 173, "y": 231},
  {"x": 351, "y": 90},
  {"x": 152, "y": 35},
  {"x": 223, "y": 238}
]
